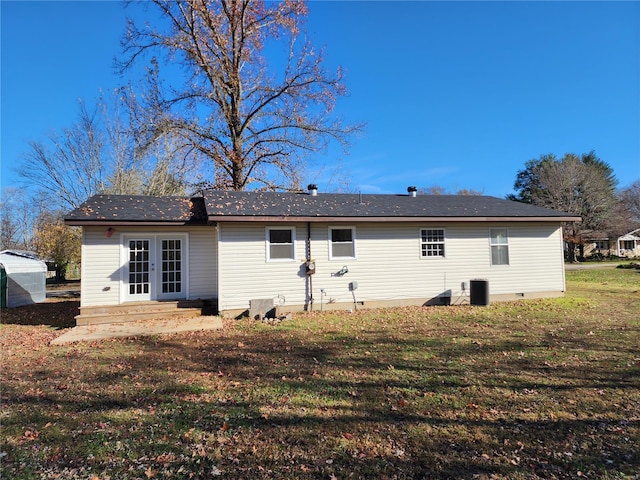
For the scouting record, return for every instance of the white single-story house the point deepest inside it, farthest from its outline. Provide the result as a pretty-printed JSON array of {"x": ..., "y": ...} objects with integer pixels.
[
  {"x": 628, "y": 245},
  {"x": 23, "y": 278},
  {"x": 312, "y": 251}
]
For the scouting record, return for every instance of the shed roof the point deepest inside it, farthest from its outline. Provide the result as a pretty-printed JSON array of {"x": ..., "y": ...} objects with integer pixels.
[
  {"x": 18, "y": 261},
  {"x": 218, "y": 205}
]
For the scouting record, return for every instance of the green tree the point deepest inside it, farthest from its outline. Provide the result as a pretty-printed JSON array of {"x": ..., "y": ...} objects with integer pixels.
[
  {"x": 581, "y": 185},
  {"x": 253, "y": 116}
]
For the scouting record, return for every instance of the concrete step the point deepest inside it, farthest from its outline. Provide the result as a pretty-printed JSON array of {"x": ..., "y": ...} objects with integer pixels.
[{"x": 138, "y": 328}]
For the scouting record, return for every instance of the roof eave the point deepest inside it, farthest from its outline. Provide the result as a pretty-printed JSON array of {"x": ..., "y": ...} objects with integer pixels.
[
  {"x": 370, "y": 219},
  {"x": 123, "y": 223}
]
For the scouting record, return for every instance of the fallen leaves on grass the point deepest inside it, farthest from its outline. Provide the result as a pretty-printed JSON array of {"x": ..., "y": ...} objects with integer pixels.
[
  {"x": 519, "y": 390},
  {"x": 56, "y": 313}
]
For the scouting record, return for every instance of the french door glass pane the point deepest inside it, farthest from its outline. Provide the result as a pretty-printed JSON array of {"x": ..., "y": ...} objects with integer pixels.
[
  {"x": 171, "y": 266},
  {"x": 138, "y": 267}
]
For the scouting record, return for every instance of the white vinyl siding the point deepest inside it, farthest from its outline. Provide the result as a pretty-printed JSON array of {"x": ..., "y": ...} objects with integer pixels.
[
  {"x": 228, "y": 262},
  {"x": 103, "y": 262},
  {"x": 243, "y": 273},
  {"x": 100, "y": 268},
  {"x": 386, "y": 267},
  {"x": 203, "y": 262}
]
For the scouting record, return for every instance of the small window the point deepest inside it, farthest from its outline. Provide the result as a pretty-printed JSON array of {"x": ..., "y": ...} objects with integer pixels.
[
  {"x": 432, "y": 242},
  {"x": 342, "y": 242},
  {"x": 499, "y": 246},
  {"x": 601, "y": 245},
  {"x": 280, "y": 244}
]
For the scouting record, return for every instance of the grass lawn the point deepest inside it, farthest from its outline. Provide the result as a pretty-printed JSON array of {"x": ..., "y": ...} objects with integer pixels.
[{"x": 532, "y": 389}]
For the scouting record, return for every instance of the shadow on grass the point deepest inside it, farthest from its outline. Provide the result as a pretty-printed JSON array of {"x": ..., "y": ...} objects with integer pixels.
[
  {"x": 52, "y": 313},
  {"x": 437, "y": 402}
]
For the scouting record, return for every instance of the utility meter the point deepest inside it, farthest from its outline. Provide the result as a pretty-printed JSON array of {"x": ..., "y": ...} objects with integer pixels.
[{"x": 310, "y": 266}]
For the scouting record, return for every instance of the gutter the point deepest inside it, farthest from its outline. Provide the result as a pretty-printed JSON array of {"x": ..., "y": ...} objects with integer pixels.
[
  {"x": 129, "y": 223},
  {"x": 369, "y": 219}
]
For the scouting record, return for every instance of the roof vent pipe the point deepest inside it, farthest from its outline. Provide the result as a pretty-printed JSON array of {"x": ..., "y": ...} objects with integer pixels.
[
  {"x": 313, "y": 189},
  {"x": 413, "y": 191}
]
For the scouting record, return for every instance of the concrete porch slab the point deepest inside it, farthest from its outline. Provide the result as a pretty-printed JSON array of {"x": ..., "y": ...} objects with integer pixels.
[{"x": 84, "y": 333}]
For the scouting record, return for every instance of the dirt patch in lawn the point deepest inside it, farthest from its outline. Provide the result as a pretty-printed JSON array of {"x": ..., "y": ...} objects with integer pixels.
[{"x": 55, "y": 312}]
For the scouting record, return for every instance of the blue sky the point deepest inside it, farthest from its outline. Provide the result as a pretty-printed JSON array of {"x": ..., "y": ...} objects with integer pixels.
[{"x": 455, "y": 94}]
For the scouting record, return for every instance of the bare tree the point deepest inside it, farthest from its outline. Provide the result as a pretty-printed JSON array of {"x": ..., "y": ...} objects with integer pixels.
[
  {"x": 625, "y": 215},
  {"x": 99, "y": 153},
  {"x": 10, "y": 235},
  {"x": 18, "y": 213},
  {"x": 581, "y": 185},
  {"x": 70, "y": 166},
  {"x": 630, "y": 202},
  {"x": 254, "y": 125}
]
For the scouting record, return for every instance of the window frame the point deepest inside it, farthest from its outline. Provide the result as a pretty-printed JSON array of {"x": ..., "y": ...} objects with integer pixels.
[
  {"x": 504, "y": 245},
  {"x": 601, "y": 245},
  {"x": 269, "y": 244},
  {"x": 628, "y": 245},
  {"x": 424, "y": 243},
  {"x": 331, "y": 243}
]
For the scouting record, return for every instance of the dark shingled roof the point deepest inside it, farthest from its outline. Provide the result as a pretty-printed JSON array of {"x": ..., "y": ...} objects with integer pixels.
[
  {"x": 271, "y": 206},
  {"x": 139, "y": 209},
  {"x": 256, "y": 205}
]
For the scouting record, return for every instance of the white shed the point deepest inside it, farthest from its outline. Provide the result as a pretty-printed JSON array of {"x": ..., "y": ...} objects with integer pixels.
[{"x": 23, "y": 279}]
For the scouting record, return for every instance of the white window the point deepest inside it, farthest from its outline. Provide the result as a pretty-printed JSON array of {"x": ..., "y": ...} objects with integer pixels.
[
  {"x": 601, "y": 244},
  {"x": 432, "y": 242},
  {"x": 628, "y": 244},
  {"x": 342, "y": 242},
  {"x": 499, "y": 246},
  {"x": 281, "y": 243}
]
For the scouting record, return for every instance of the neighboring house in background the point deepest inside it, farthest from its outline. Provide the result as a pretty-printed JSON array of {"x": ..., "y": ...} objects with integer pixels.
[
  {"x": 628, "y": 245},
  {"x": 313, "y": 251},
  {"x": 596, "y": 243}
]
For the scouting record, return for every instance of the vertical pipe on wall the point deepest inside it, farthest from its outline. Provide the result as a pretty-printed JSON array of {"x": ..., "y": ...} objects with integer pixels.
[{"x": 309, "y": 277}]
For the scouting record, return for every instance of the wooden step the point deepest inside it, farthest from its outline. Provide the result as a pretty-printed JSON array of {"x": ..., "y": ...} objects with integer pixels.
[{"x": 136, "y": 311}]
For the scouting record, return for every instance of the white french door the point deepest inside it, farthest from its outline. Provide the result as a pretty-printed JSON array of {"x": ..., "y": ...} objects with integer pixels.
[
  {"x": 154, "y": 267},
  {"x": 139, "y": 269},
  {"x": 171, "y": 281}
]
